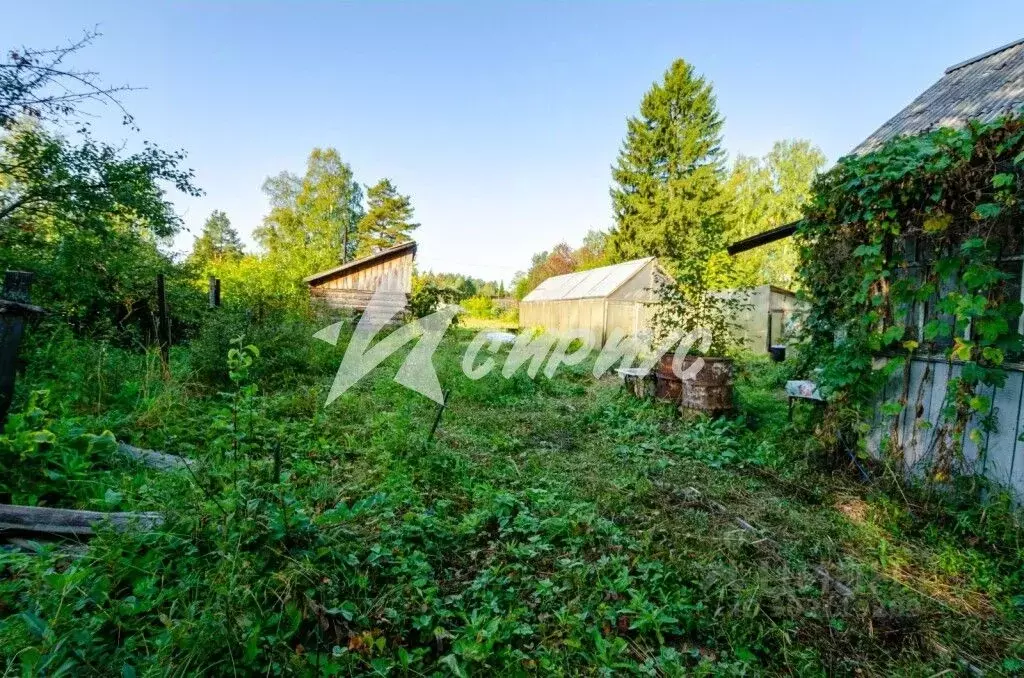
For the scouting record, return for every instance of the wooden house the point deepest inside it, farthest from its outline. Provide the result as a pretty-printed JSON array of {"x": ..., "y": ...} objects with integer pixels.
[
  {"x": 981, "y": 89},
  {"x": 352, "y": 284}
]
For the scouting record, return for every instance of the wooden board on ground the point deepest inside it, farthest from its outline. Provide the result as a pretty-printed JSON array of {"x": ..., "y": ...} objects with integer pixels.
[{"x": 41, "y": 519}]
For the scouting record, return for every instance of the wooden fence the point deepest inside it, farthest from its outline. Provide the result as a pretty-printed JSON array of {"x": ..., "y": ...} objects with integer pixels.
[{"x": 998, "y": 455}]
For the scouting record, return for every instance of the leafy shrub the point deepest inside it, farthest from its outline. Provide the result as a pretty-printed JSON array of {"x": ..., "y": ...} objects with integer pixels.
[
  {"x": 284, "y": 335},
  {"x": 480, "y": 307},
  {"x": 427, "y": 297},
  {"x": 48, "y": 464},
  {"x": 955, "y": 194}
]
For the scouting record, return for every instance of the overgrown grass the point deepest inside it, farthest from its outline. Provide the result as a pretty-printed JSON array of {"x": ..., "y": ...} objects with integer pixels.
[{"x": 553, "y": 526}]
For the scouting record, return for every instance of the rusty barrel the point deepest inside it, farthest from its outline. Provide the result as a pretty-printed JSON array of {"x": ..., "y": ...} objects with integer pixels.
[
  {"x": 710, "y": 389},
  {"x": 666, "y": 384}
]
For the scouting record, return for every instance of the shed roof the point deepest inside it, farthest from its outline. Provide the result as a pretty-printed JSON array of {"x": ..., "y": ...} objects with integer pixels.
[
  {"x": 363, "y": 261},
  {"x": 983, "y": 88},
  {"x": 595, "y": 283}
]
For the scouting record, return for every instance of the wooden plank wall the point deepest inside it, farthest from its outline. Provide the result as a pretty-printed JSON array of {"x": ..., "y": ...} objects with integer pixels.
[
  {"x": 397, "y": 270},
  {"x": 1000, "y": 454},
  {"x": 353, "y": 289}
]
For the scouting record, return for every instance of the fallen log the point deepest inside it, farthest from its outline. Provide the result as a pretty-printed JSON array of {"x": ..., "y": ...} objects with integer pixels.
[
  {"x": 160, "y": 461},
  {"x": 40, "y": 519}
]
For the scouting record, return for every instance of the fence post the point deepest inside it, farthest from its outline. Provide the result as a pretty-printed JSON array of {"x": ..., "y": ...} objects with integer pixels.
[
  {"x": 14, "y": 310},
  {"x": 163, "y": 333},
  {"x": 214, "y": 294}
]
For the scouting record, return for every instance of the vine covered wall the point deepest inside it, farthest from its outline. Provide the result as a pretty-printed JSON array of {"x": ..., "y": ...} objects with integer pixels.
[{"x": 914, "y": 250}]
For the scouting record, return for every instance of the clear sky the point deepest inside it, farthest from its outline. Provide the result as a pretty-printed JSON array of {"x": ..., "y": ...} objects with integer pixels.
[{"x": 500, "y": 119}]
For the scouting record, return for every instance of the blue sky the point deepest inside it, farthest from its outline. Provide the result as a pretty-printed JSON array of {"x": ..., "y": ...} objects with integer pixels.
[{"x": 500, "y": 119}]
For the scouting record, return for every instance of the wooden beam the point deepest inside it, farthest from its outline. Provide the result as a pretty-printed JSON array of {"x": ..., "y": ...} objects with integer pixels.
[
  {"x": 41, "y": 519},
  {"x": 153, "y": 459},
  {"x": 761, "y": 239}
]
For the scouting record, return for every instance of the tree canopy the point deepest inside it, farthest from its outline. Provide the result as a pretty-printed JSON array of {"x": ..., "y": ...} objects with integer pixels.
[
  {"x": 313, "y": 219},
  {"x": 768, "y": 192},
  {"x": 39, "y": 84},
  {"x": 668, "y": 198},
  {"x": 563, "y": 259},
  {"x": 219, "y": 241},
  {"x": 387, "y": 221},
  {"x": 65, "y": 197}
]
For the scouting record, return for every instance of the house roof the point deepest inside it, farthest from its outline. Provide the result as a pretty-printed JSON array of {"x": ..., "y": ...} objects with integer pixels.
[
  {"x": 983, "y": 88},
  {"x": 363, "y": 261},
  {"x": 595, "y": 283}
]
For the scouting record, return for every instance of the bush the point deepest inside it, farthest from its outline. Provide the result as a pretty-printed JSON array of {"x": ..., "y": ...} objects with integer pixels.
[
  {"x": 427, "y": 297},
  {"x": 284, "y": 335},
  {"x": 480, "y": 307}
]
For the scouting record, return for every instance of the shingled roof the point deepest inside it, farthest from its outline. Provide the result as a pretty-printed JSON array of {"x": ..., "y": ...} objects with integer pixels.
[{"x": 982, "y": 89}]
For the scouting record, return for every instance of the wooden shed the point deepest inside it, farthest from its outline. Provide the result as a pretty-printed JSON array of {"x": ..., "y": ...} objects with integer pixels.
[
  {"x": 352, "y": 284},
  {"x": 763, "y": 316},
  {"x": 981, "y": 89},
  {"x": 622, "y": 296}
]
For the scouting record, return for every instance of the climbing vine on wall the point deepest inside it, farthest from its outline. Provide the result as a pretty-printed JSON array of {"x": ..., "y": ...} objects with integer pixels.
[{"x": 914, "y": 250}]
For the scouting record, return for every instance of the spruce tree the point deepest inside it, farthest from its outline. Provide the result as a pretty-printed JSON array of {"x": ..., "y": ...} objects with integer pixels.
[
  {"x": 219, "y": 241},
  {"x": 388, "y": 218},
  {"x": 668, "y": 197}
]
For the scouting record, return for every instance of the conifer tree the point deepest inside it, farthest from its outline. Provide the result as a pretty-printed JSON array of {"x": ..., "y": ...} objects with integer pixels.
[
  {"x": 388, "y": 218},
  {"x": 219, "y": 241},
  {"x": 668, "y": 199},
  {"x": 669, "y": 202}
]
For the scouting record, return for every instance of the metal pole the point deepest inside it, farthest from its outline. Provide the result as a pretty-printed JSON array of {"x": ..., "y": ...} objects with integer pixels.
[{"x": 437, "y": 418}]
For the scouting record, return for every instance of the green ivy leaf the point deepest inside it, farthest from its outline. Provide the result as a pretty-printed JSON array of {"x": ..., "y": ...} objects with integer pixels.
[
  {"x": 987, "y": 210},
  {"x": 867, "y": 250},
  {"x": 962, "y": 349},
  {"x": 980, "y": 403},
  {"x": 892, "y": 334},
  {"x": 1003, "y": 179},
  {"x": 991, "y": 327},
  {"x": 934, "y": 329}
]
